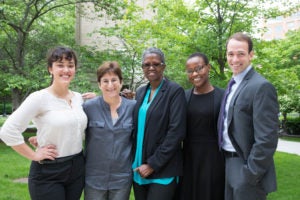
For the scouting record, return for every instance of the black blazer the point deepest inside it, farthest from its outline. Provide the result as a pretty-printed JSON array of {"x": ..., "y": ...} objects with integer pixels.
[{"x": 164, "y": 129}]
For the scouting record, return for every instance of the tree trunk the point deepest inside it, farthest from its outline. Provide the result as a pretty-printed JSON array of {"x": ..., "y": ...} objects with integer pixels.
[{"x": 16, "y": 96}]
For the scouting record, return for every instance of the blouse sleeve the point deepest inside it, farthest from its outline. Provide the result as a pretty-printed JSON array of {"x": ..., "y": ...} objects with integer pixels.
[{"x": 17, "y": 122}]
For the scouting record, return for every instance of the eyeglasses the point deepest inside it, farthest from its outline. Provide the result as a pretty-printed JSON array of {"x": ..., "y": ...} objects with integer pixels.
[
  {"x": 155, "y": 65},
  {"x": 196, "y": 69}
]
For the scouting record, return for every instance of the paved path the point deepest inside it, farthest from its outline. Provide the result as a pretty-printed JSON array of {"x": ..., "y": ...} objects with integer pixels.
[{"x": 288, "y": 147}]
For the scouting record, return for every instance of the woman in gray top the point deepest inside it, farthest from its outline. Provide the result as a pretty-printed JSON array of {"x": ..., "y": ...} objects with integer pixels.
[{"x": 108, "y": 138}]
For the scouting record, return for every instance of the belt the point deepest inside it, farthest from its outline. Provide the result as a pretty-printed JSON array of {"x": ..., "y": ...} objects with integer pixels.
[
  {"x": 230, "y": 154},
  {"x": 59, "y": 160}
]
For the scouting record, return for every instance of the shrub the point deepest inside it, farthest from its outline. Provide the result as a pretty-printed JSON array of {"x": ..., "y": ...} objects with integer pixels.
[
  {"x": 5, "y": 109},
  {"x": 293, "y": 126}
]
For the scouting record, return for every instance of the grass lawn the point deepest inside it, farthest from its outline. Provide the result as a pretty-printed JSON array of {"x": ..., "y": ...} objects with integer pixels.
[
  {"x": 288, "y": 173},
  {"x": 2, "y": 120},
  {"x": 292, "y": 139},
  {"x": 14, "y": 166}
]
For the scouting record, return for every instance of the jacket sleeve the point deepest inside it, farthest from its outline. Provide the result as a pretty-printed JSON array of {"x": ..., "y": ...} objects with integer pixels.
[{"x": 265, "y": 125}]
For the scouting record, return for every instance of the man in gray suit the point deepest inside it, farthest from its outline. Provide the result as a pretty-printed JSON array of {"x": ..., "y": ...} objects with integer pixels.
[{"x": 248, "y": 126}]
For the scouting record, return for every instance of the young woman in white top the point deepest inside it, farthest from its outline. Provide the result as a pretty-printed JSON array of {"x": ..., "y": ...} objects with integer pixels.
[{"x": 57, "y": 168}]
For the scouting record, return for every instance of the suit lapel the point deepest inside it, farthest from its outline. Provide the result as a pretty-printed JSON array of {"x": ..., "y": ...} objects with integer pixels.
[
  {"x": 237, "y": 93},
  {"x": 188, "y": 94},
  {"x": 157, "y": 98},
  {"x": 155, "y": 101},
  {"x": 140, "y": 98}
]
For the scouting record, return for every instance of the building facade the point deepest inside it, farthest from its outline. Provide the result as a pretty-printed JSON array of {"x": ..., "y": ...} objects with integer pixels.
[
  {"x": 279, "y": 26},
  {"x": 89, "y": 22}
]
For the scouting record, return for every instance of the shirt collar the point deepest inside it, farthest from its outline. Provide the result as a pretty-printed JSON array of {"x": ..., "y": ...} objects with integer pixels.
[{"x": 238, "y": 78}]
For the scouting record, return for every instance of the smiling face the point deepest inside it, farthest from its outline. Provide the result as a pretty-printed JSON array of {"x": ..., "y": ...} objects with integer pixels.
[
  {"x": 153, "y": 68},
  {"x": 238, "y": 55},
  {"x": 63, "y": 71},
  {"x": 197, "y": 72},
  {"x": 110, "y": 85}
]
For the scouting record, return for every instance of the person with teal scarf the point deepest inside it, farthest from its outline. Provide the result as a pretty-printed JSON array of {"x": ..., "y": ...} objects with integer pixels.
[{"x": 159, "y": 128}]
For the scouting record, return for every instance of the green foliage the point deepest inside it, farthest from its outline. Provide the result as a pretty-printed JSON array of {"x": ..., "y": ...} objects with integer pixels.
[
  {"x": 289, "y": 103},
  {"x": 293, "y": 126},
  {"x": 5, "y": 108},
  {"x": 179, "y": 28},
  {"x": 91, "y": 59},
  {"x": 28, "y": 30},
  {"x": 279, "y": 62},
  {"x": 203, "y": 26}
]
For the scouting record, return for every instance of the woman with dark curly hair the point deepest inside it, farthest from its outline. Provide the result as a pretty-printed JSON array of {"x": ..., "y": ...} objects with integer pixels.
[{"x": 57, "y": 167}]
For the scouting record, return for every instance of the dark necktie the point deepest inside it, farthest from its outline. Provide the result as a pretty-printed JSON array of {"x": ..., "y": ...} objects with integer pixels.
[{"x": 222, "y": 111}]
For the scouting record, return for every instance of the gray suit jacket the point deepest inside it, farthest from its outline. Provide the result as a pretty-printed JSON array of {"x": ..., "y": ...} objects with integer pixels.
[{"x": 252, "y": 128}]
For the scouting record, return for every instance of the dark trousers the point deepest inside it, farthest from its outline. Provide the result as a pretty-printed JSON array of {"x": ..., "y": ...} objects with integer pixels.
[
  {"x": 154, "y": 191},
  {"x": 57, "y": 181}
]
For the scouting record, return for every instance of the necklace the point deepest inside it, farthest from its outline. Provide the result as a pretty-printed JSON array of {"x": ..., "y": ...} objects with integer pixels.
[{"x": 66, "y": 97}]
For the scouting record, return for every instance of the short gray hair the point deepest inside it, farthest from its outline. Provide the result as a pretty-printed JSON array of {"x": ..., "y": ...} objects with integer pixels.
[{"x": 154, "y": 50}]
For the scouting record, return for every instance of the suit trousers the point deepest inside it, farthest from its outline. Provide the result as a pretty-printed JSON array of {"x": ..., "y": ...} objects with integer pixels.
[
  {"x": 154, "y": 191},
  {"x": 57, "y": 181},
  {"x": 236, "y": 185}
]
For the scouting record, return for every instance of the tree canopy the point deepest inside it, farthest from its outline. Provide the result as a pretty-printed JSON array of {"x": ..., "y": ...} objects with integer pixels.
[{"x": 29, "y": 28}]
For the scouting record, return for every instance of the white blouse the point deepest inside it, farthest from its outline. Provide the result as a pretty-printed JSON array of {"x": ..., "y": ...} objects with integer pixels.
[{"x": 57, "y": 122}]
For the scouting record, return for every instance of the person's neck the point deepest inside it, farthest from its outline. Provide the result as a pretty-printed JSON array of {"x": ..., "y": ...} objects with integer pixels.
[
  {"x": 204, "y": 89},
  {"x": 59, "y": 91},
  {"x": 113, "y": 102},
  {"x": 155, "y": 84}
]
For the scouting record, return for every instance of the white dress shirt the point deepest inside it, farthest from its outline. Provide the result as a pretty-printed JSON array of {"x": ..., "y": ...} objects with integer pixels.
[{"x": 227, "y": 145}]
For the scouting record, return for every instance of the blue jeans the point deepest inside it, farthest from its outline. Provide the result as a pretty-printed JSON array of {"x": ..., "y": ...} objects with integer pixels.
[{"x": 117, "y": 194}]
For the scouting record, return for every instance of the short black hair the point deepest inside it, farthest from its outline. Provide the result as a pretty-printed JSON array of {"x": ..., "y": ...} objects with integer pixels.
[
  {"x": 60, "y": 53},
  {"x": 201, "y": 55}
]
